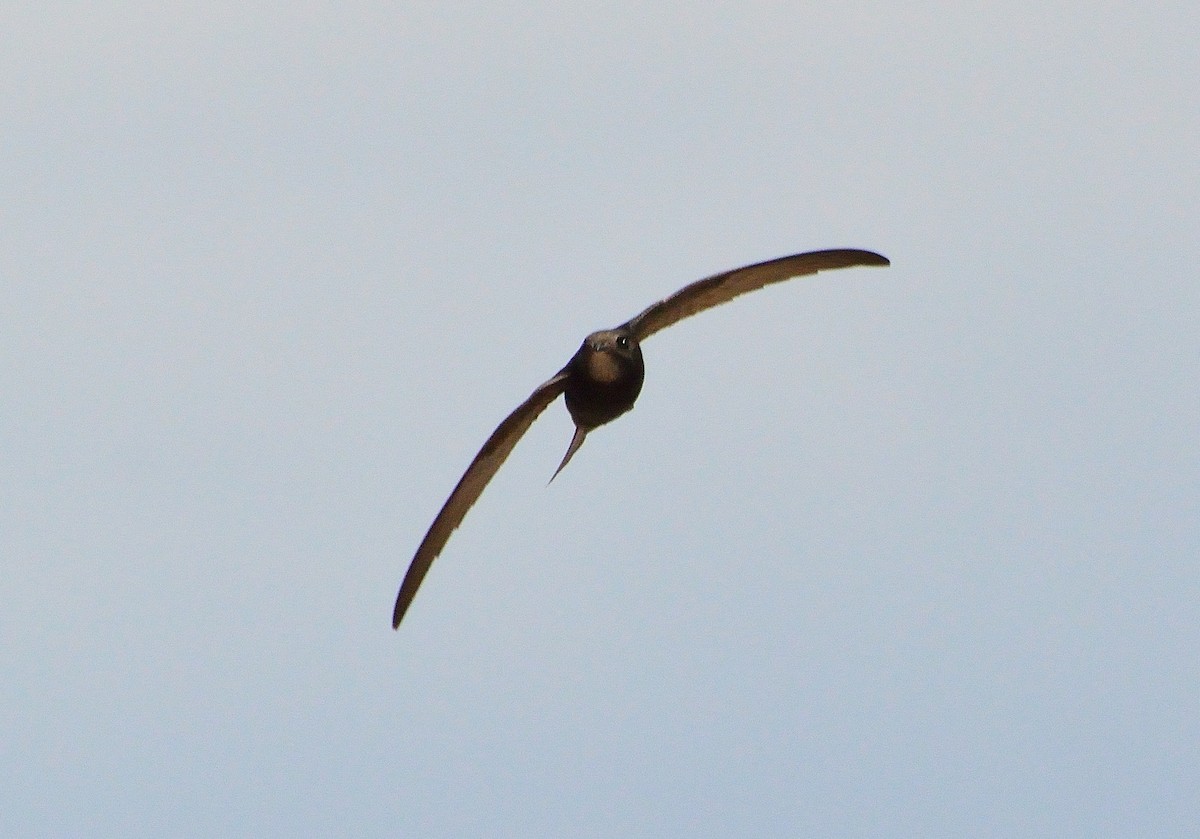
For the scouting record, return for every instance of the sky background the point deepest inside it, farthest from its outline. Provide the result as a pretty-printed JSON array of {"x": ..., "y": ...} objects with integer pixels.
[{"x": 886, "y": 552}]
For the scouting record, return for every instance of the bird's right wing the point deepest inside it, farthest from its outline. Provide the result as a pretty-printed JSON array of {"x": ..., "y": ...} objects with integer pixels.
[
  {"x": 471, "y": 485},
  {"x": 721, "y": 288}
]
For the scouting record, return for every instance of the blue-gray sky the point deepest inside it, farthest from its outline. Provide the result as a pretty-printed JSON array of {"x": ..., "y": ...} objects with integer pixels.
[{"x": 885, "y": 552}]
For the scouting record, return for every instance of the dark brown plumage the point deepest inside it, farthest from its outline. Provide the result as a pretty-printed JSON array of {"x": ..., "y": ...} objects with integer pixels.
[{"x": 601, "y": 382}]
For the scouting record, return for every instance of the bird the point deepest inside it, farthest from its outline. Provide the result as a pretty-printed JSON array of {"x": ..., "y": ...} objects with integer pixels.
[{"x": 601, "y": 382}]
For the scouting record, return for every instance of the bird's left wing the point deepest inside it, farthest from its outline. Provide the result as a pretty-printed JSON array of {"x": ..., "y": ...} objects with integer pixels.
[
  {"x": 470, "y": 486},
  {"x": 721, "y": 288}
]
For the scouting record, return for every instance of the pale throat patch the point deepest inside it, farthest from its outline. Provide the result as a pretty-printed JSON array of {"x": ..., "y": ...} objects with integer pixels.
[{"x": 602, "y": 367}]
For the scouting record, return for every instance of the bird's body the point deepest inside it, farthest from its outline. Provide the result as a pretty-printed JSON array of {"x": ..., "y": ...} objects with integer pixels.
[
  {"x": 601, "y": 382},
  {"x": 604, "y": 378}
]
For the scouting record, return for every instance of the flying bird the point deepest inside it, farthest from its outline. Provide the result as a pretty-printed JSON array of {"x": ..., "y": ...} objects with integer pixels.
[{"x": 601, "y": 382}]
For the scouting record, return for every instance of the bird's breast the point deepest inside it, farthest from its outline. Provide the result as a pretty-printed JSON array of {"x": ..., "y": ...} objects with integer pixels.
[
  {"x": 603, "y": 367},
  {"x": 602, "y": 386}
]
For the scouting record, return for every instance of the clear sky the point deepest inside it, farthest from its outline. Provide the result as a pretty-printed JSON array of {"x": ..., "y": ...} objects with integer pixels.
[{"x": 887, "y": 552}]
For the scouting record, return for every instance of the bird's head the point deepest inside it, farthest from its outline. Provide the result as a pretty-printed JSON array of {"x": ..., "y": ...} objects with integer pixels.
[{"x": 611, "y": 354}]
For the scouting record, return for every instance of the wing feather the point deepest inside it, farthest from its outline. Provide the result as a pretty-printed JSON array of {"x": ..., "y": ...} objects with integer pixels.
[
  {"x": 471, "y": 485},
  {"x": 721, "y": 288}
]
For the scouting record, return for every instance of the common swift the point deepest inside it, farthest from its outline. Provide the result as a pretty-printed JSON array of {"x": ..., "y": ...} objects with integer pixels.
[{"x": 601, "y": 382}]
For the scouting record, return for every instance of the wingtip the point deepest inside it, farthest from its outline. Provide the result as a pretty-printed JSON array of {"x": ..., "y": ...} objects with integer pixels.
[{"x": 850, "y": 257}]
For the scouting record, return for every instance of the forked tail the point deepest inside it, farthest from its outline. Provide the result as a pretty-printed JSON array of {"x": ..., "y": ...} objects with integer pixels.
[{"x": 576, "y": 442}]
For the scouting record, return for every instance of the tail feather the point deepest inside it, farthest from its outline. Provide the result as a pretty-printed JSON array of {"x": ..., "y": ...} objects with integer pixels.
[{"x": 576, "y": 442}]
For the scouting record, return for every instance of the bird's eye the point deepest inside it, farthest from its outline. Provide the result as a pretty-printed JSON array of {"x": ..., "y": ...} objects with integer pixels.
[{"x": 623, "y": 342}]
